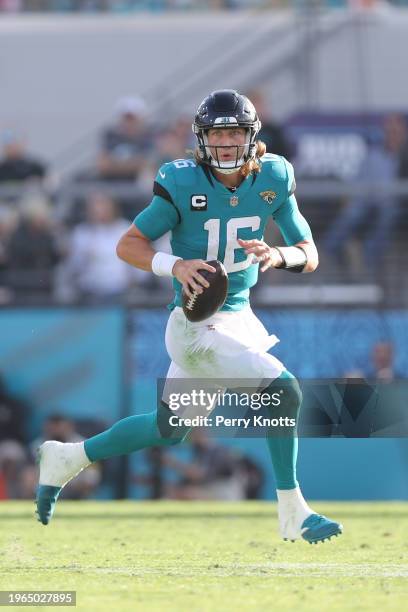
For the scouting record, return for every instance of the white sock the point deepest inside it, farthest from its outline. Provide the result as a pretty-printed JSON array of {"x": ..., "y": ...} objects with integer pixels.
[
  {"x": 61, "y": 462},
  {"x": 80, "y": 459},
  {"x": 292, "y": 500}
]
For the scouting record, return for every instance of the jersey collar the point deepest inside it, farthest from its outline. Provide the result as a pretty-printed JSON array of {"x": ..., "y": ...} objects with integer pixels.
[{"x": 224, "y": 191}]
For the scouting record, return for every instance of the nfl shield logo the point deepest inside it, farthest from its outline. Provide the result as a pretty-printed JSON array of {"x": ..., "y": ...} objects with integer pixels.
[{"x": 234, "y": 200}]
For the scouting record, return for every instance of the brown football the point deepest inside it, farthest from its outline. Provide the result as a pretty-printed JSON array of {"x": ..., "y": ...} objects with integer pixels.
[{"x": 203, "y": 305}]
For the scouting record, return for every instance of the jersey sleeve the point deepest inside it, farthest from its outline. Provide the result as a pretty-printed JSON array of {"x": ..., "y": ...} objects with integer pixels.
[
  {"x": 290, "y": 178},
  {"x": 162, "y": 214},
  {"x": 292, "y": 224}
]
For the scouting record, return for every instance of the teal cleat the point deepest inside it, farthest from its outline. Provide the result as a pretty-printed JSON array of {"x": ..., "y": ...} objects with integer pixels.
[
  {"x": 46, "y": 499},
  {"x": 318, "y": 528}
]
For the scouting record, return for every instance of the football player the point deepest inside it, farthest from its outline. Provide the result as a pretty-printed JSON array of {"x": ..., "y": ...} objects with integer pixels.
[{"x": 216, "y": 206}]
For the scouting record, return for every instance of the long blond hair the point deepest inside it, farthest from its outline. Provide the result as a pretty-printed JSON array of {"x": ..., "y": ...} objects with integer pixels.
[{"x": 252, "y": 165}]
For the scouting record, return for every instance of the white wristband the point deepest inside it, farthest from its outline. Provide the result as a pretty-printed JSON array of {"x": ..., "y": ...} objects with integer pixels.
[{"x": 163, "y": 263}]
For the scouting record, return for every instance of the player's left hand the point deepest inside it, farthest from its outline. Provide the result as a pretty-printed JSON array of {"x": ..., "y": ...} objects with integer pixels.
[{"x": 269, "y": 256}]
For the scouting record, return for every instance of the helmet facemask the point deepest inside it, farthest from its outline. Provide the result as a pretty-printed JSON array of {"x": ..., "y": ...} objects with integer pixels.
[
  {"x": 227, "y": 167},
  {"x": 226, "y": 109}
]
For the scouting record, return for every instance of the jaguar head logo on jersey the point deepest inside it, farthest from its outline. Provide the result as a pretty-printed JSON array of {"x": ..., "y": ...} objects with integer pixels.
[
  {"x": 198, "y": 202},
  {"x": 268, "y": 196}
]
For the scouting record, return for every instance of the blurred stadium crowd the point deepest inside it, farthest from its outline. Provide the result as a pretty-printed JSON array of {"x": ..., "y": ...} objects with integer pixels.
[
  {"x": 58, "y": 238},
  {"x": 54, "y": 249},
  {"x": 154, "y": 6},
  {"x": 18, "y": 472}
]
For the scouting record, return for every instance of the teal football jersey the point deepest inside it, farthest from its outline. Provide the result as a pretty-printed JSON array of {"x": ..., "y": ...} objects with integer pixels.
[{"x": 206, "y": 218}]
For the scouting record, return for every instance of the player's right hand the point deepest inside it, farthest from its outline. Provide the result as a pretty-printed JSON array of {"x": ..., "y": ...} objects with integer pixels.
[{"x": 187, "y": 273}]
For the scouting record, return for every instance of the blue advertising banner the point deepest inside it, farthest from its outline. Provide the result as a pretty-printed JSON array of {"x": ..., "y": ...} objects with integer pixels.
[
  {"x": 332, "y": 145},
  {"x": 66, "y": 360}
]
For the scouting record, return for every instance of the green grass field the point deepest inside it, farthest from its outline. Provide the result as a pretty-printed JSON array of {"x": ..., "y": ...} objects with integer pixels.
[{"x": 205, "y": 556}]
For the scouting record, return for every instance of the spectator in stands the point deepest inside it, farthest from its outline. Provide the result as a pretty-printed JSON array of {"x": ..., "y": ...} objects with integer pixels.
[
  {"x": 272, "y": 134},
  {"x": 92, "y": 269},
  {"x": 32, "y": 251},
  {"x": 13, "y": 461},
  {"x": 16, "y": 165},
  {"x": 378, "y": 212},
  {"x": 14, "y": 416},
  {"x": 126, "y": 145},
  {"x": 380, "y": 366},
  {"x": 382, "y": 363},
  {"x": 8, "y": 220},
  {"x": 215, "y": 471},
  {"x": 174, "y": 142},
  {"x": 58, "y": 427}
]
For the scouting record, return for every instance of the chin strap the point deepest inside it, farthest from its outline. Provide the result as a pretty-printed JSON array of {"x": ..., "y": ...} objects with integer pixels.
[{"x": 227, "y": 170}]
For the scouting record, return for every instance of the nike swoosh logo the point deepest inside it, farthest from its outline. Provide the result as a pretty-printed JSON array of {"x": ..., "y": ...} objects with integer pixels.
[{"x": 162, "y": 174}]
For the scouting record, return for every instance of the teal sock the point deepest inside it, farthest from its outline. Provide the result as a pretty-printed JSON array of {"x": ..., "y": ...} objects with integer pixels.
[
  {"x": 283, "y": 442},
  {"x": 135, "y": 433}
]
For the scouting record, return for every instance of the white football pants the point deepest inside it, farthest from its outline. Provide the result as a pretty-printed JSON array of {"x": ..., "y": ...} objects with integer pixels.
[{"x": 231, "y": 346}]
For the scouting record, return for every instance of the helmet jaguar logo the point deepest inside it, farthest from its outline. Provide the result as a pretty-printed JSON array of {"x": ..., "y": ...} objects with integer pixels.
[
  {"x": 268, "y": 196},
  {"x": 234, "y": 201},
  {"x": 225, "y": 120}
]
